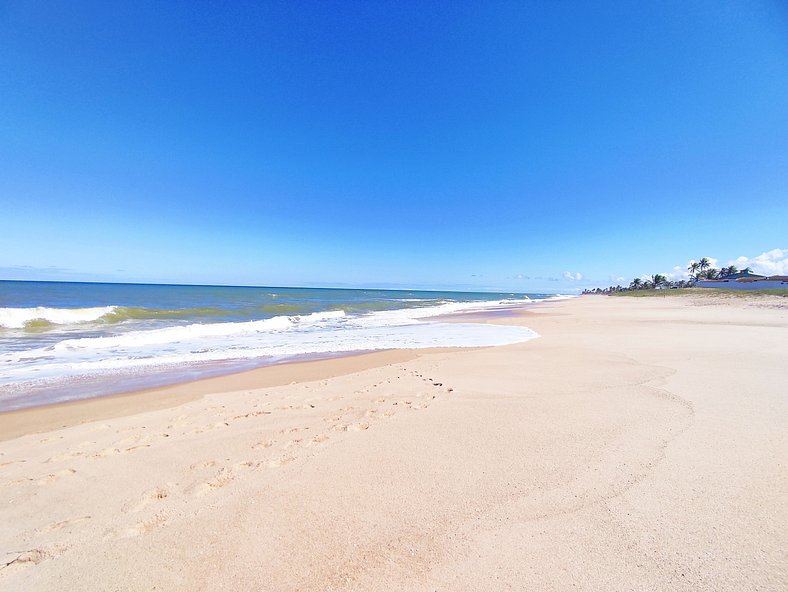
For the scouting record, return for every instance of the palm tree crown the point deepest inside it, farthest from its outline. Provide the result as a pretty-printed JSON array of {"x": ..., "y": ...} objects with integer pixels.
[{"x": 726, "y": 271}]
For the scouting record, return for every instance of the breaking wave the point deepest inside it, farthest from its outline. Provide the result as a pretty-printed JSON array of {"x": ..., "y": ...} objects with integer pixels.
[
  {"x": 20, "y": 318},
  {"x": 279, "y": 337}
]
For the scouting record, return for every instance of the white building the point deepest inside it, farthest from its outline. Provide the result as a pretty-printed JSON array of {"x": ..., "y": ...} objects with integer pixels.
[{"x": 744, "y": 280}]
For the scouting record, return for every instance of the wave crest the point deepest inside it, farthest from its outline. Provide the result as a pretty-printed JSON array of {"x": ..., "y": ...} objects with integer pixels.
[{"x": 35, "y": 318}]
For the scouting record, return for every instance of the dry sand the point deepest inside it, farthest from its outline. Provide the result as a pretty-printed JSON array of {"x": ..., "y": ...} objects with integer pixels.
[{"x": 639, "y": 444}]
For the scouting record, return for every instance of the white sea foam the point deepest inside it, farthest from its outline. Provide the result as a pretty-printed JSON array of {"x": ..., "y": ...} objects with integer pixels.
[
  {"x": 277, "y": 337},
  {"x": 17, "y": 318},
  {"x": 559, "y": 297}
]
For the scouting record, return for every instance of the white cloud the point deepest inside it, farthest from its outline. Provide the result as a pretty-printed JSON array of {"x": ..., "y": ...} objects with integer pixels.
[
  {"x": 617, "y": 278},
  {"x": 678, "y": 273},
  {"x": 774, "y": 262},
  {"x": 575, "y": 277}
]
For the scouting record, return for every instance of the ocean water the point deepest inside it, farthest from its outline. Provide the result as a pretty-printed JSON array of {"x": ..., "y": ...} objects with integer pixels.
[{"x": 62, "y": 341}]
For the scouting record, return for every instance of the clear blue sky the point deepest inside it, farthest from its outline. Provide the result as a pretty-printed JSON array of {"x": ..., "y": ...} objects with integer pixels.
[{"x": 407, "y": 144}]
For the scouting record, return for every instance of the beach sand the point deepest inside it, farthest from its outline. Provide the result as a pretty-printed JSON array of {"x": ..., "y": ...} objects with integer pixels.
[{"x": 639, "y": 444}]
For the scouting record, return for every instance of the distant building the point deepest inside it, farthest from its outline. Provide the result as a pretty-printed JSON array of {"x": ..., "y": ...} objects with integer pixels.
[
  {"x": 743, "y": 275},
  {"x": 744, "y": 280}
]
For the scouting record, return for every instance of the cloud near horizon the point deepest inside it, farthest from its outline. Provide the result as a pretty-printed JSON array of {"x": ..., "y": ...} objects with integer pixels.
[
  {"x": 575, "y": 277},
  {"x": 774, "y": 262}
]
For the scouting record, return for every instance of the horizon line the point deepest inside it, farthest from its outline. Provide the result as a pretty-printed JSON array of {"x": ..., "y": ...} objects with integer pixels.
[{"x": 165, "y": 284}]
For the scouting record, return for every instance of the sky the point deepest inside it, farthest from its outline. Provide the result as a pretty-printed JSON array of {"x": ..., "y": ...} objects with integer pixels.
[{"x": 523, "y": 146}]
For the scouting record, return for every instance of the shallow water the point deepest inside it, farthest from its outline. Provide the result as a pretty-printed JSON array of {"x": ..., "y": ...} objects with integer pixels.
[{"x": 62, "y": 341}]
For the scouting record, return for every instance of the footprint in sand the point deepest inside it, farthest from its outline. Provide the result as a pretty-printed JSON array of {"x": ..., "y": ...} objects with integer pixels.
[
  {"x": 205, "y": 428},
  {"x": 278, "y": 462},
  {"x": 202, "y": 465},
  {"x": 249, "y": 465},
  {"x": 153, "y": 496},
  {"x": 132, "y": 441},
  {"x": 198, "y": 489},
  {"x": 62, "y": 524},
  {"x": 107, "y": 452},
  {"x": 21, "y": 559},
  {"x": 18, "y": 481},
  {"x": 222, "y": 478},
  {"x": 13, "y": 462},
  {"x": 63, "y": 456},
  {"x": 46, "y": 479},
  {"x": 143, "y": 526}
]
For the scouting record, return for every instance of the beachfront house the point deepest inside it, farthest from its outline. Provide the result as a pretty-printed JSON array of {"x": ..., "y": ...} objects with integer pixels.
[{"x": 745, "y": 280}]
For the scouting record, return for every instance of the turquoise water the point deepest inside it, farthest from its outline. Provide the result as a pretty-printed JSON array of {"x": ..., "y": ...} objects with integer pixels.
[{"x": 61, "y": 341}]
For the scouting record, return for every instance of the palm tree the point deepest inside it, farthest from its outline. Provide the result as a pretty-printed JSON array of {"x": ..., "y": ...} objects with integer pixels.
[
  {"x": 712, "y": 274},
  {"x": 693, "y": 268},
  {"x": 703, "y": 265},
  {"x": 636, "y": 284},
  {"x": 726, "y": 271},
  {"x": 657, "y": 280},
  {"x": 747, "y": 270}
]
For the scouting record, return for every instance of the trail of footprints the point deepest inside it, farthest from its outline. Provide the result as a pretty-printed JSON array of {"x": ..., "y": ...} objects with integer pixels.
[{"x": 268, "y": 449}]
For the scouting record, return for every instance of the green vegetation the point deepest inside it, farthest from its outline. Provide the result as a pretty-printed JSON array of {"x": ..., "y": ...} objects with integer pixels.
[
  {"x": 703, "y": 292},
  {"x": 659, "y": 285}
]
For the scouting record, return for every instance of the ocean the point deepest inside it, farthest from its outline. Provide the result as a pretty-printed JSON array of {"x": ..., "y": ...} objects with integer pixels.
[{"x": 62, "y": 341}]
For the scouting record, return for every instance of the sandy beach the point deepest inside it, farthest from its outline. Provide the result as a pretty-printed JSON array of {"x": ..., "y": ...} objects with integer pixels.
[{"x": 638, "y": 444}]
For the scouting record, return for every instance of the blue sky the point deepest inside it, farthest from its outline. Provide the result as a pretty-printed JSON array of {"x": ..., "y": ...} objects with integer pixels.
[{"x": 478, "y": 145}]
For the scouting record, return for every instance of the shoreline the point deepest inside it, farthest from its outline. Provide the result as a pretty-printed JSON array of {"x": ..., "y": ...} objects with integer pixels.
[
  {"x": 637, "y": 444},
  {"x": 52, "y": 416},
  {"x": 62, "y": 414},
  {"x": 99, "y": 375}
]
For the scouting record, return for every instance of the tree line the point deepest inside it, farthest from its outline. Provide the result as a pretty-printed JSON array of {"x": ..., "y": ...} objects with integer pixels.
[{"x": 698, "y": 270}]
